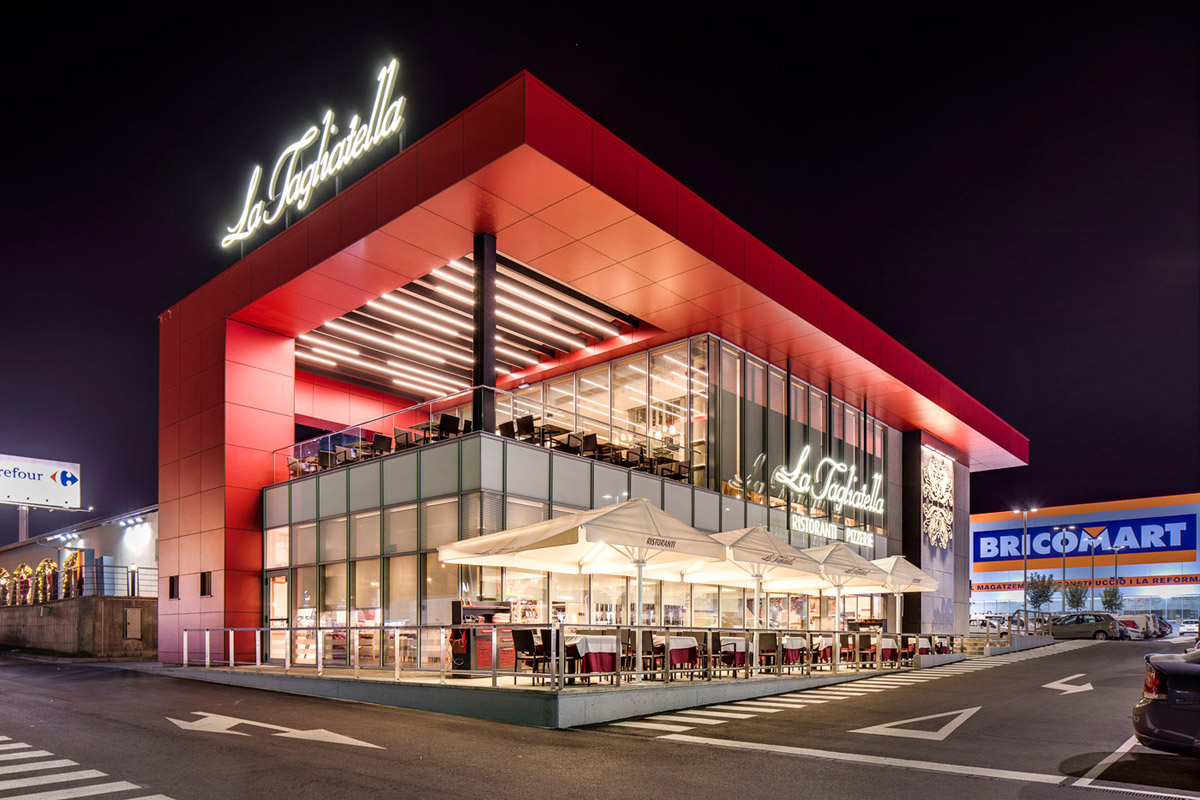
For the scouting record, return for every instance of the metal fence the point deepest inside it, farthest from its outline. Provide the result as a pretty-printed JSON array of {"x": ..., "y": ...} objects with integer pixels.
[
  {"x": 556, "y": 656},
  {"x": 48, "y": 586}
]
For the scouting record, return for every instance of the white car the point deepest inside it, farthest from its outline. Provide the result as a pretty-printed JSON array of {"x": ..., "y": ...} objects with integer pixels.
[{"x": 1187, "y": 626}]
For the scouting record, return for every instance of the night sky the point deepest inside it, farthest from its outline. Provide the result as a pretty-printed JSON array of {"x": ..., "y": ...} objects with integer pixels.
[{"x": 1010, "y": 190}]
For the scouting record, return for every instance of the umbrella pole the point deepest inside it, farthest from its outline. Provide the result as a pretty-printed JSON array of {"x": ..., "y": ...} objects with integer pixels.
[{"x": 637, "y": 620}]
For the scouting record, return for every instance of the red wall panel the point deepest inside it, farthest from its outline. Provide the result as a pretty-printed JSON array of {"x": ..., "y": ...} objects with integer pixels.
[{"x": 558, "y": 130}]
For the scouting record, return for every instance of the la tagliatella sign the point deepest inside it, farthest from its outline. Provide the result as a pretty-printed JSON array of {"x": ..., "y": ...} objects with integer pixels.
[
  {"x": 295, "y": 176},
  {"x": 832, "y": 481}
]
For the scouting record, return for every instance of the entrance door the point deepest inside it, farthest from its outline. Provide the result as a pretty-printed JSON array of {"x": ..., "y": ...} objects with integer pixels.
[{"x": 277, "y": 615}]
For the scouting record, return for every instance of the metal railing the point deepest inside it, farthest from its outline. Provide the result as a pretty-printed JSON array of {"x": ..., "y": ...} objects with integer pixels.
[
  {"x": 552, "y": 427},
  {"x": 487, "y": 651}
]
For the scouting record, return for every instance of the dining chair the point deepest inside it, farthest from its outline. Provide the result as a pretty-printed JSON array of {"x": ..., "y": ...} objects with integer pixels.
[
  {"x": 328, "y": 459},
  {"x": 467, "y": 426},
  {"x": 589, "y": 448},
  {"x": 528, "y": 651},
  {"x": 381, "y": 444},
  {"x": 403, "y": 438},
  {"x": 768, "y": 650},
  {"x": 572, "y": 445},
  {"x": 525, "y": 429},
  {"x": 508, "y": 429},
  {"x": 345, "y": 454},
  {"x": 447, "y": 426}
]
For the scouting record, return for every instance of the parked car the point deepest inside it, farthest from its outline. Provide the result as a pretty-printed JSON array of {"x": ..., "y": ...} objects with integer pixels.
[
  {"x": 986, "y": 625},
  {"x": 1129, "y": 629},
  {"x": 1189, "y": 626},
  {"x": 1090, "y": 625},
  {"x": 1143, "y": 622},
  {"x": 1165, "y": 628},
  {"x": 1168, "y": 715}
]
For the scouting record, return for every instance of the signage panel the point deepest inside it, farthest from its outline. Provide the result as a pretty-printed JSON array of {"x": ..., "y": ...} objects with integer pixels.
[
  {"x": 1145, "y": 540},
  {"x": 35, "y": 482},
  {"x": 1125, "y": 582}
]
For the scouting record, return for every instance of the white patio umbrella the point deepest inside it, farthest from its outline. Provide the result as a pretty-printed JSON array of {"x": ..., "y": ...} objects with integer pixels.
[
  {"x": 751, "y": 556},
  {"x": 902, "y": 576},
  {"x": 840, "y": 567},
  {"x": 616, "y": 539}
]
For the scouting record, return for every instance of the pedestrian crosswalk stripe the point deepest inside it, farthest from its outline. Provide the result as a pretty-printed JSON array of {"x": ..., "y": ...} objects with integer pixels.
[
  {"x": 706, "y": 713},
  {"x": 78, "y": 791},
  {"x": 13, "y": 769},
  {"x": 24, "y": 754},
  {"x": 654, "y": 726},
  {"x": 761, "y": 704},
  {"x": 689, "y": 720},
  {"x": 761, "y": 709},
  {"x": 14, "y": 746},
  {"x": 56, "y": 777}
]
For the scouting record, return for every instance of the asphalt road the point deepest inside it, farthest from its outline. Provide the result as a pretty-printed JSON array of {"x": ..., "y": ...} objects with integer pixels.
[{"x": 994, "y": 731}]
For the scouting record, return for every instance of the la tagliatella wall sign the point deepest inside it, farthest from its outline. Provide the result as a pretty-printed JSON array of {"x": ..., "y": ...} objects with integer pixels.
[{"x": 295, "y": 176}]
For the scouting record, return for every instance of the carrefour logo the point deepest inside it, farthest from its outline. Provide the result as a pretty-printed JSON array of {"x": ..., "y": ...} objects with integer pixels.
[
  {"x": 1146, "y": 540},
  {"x": 64, "y": 478}
]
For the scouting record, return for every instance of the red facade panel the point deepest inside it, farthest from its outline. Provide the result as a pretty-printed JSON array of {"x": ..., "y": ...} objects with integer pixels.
[
  {"x": 557, "y": 129},
  {"x": 397, "y": 186},
  {"x": 694, "y": 221},
  {"x": 359, "y": 210},
  {"x": 494, "y": 126},
  {"x": 729, "y": 245},
  {"x": 656, "y": 196},
  {"x": 614, "y": 167},
  {"x": 440, "y": 159}
]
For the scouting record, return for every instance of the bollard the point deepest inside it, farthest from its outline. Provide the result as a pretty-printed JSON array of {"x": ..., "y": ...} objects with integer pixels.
[
  {"x": 185, "y": 647},
  {"x": 320, "y": 653},
  {"x": 231, "y": 664},
  {"x": 258, "y": 634},
  {"x": 207, "y": 648},
  {"x": 495, "y": 654},
  {"x": 352, "y": 637},
  {"x": 396, "y": 652},
  {"x": 287, "y": 652}
]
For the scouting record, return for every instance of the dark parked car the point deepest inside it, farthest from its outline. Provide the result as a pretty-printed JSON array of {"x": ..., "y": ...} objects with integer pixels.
[
  {"x": 1168, "y": 715},
  {"x": 1090, "y": 625}
]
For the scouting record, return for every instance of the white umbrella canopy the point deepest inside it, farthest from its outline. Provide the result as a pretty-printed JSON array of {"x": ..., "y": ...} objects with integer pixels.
[
  {"x": 751, "y": 555},
  {"x": 838, "y": 566},
  {"x": 902, "y": 576},
  {"x": 610, "y": 540}
]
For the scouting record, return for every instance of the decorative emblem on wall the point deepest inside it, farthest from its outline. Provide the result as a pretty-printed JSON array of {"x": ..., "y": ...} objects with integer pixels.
[{"x": 937, "y": 498}]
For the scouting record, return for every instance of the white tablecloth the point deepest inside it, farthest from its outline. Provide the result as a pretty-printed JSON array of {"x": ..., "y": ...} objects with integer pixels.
[
  {"x": 593, "y": 643},
  {"x": 733, "y": 645},
  {"x": 677, "y": 642},
  {"x": 795, "y": 643}
]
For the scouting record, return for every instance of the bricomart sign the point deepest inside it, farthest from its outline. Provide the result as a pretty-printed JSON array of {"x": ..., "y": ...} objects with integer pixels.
[
  {"x": 34, "y": 482},
  {"x": 1147, "y": 540}
]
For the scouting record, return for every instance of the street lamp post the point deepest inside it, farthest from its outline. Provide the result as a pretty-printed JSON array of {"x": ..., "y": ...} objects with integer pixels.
[
  {"x": 1024, "y": 512},
  {"x": 1062, "y": 545},
  {"x": 1116, "y": 576},
  {"x": 1092, "y": 543}
]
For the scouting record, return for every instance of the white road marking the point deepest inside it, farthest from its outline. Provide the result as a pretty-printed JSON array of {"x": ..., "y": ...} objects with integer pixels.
[
  {"x": 690, "y": 720},
  {"x": 24, "y": 754},
  {"x": 80, "y": 791},
  {"x": 884, "y": 761},
  {"x": 654, "y": 726},
  {"x": 762, "y": 705},
  {"x": 4, "y": 739},
  {"x": 219, "y": 723},
  {"x": 1068, "y": 688},
  {"x": 760, "y": 709},
  {"x": 827, "y": 697},
  {"x": 893, "y": 729},
  {"x": 13, "y": 769},
  {"x": 725, "y": 714},
  {"x": 13, "y": 746},
  {"x": 1106, "y": 762},
  {"x": 57, "y": 777}
]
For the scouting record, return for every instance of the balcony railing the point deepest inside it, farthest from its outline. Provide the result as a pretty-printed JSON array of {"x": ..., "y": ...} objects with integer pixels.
[
  {"x": 518, "y": 418},
  {"x": 82, "y": 581}
]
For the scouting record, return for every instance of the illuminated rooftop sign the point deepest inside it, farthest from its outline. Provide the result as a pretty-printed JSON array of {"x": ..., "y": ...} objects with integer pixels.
[
  {"x": 832, "y": 481},
  {"x": 295, "y": 177}
]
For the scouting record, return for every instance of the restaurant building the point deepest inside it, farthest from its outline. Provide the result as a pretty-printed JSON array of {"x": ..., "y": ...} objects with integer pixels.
[
  {"x": 516, "y": 317},
  {"x": 1145, "y": 546}
]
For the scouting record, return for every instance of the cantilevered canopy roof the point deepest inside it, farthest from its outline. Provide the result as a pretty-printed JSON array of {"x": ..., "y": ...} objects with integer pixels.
[{"x": 575, "y": 203}]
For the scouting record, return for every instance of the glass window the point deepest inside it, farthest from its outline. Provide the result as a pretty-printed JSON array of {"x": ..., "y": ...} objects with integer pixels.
[
  {"x": 484, "y": 583},
  {"x": 560, "y": 403},
  {"x": 441, "y": 588},
  {"x": 594, "y": 403},
  {"x": 526, "y": 591},
  {"x": 729, "y": 422},
  {"x": 276, "y": 554},
  {"x": 676, "y": 603},
  {"x": 364, "y": 534},
  {"x": 668, "y": 401},
  {"x": 569, "y": 598},
  {"x": 629, "y": 401},
  {"x": 367, "y": 592},
  {"x": 304, "y": 596},
  {"x": 776, "y": 422},
  {"x": 699, "y": 414},
  {"x": 732, "y": 610},
  {"x": 333, "y": 595},
  {"x": 754, "y": 454},
  {"x": 704, "y": 606},
  {"x": 333, "y": 539},
  {"x": 304, "y": 543},
  {"x": 777, "y": 611},
  {"x": 525, "y": 512},
  {"x": 402, "y": 590},
  {"x": 650, "y": 598},
  {"x": 400, "y": 529},
  {"x": 608, "y": 600},
  {"x": 439, "y": 522},
  {"x": 527, "y": 402}
]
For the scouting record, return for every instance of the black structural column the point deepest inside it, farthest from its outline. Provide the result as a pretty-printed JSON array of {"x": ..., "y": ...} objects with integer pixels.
[{"x": 483, "y": 375}]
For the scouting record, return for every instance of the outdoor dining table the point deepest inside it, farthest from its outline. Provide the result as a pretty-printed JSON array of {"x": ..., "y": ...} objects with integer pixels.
[
  {"x": 794, "y": 648},
  {"x": 597, "y": 652},
  {"x": 824, "y": 648},
  {"x": 733, "y": 652},
  {"x": 890, "y": 649},
  {"x": 679, "y": 649}
]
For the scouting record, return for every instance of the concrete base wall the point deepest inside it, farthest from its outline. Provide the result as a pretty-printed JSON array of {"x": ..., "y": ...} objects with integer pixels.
[
  {"x": 83, "y": 626},
  {"x": 937, "y": 659},
  {"x": 1019, "y": 642}
]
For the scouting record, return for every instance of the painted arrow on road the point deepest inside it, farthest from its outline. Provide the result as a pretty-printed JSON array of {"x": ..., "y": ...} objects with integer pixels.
[
  {"x": 1068, "y": 688},
  {"x": 219, "y": 723}
]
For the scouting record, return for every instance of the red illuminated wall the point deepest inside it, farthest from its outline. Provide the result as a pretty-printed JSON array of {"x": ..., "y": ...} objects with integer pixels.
[{"x": 329, "y": 403}]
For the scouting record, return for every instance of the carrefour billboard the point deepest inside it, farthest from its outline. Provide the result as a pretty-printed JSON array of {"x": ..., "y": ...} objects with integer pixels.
[
  {"x": 35, "y": 482},
  {"x": 1146, "y": 540}
]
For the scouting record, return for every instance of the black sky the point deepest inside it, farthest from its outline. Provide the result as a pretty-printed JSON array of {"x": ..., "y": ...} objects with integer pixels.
[{"x": 1010, "y": 190}]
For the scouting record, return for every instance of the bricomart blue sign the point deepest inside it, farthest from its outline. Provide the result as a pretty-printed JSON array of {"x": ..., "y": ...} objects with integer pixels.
[{"x": 1148, "y": 540}]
